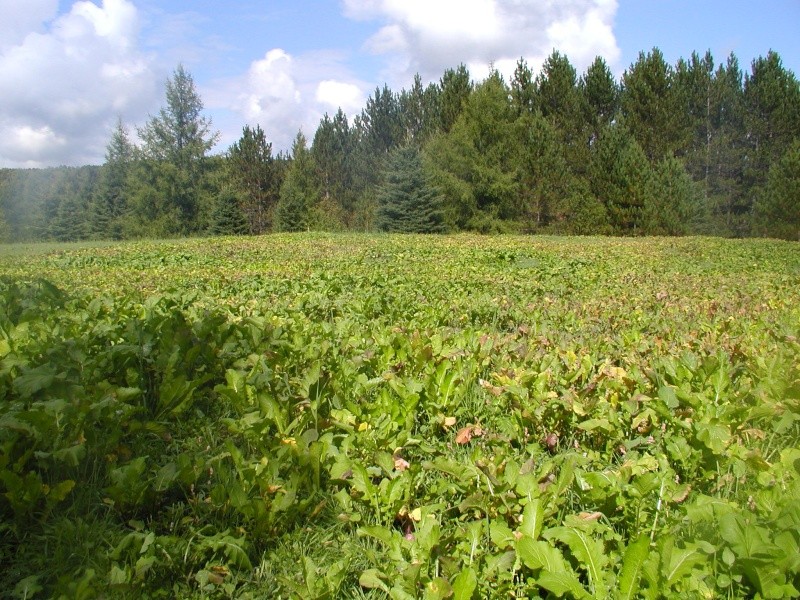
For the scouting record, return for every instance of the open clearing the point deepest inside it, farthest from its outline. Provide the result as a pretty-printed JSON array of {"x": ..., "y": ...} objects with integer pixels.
[{"x": 339, "y": 416}]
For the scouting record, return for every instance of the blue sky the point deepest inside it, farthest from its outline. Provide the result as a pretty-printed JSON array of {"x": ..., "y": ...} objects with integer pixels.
[{"x": 69, "y": 69}]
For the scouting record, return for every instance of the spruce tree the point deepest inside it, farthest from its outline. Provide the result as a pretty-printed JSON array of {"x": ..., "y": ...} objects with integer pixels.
[
  {"x": 407, "y": 202},
  {"x": 228, "y": 218}
]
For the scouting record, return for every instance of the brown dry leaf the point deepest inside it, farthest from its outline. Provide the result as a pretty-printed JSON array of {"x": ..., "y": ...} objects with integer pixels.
[
  {"x": 590, "y": 516},
  {"x": 465, "y": 434},
  {"x": 492, "y": 389}
]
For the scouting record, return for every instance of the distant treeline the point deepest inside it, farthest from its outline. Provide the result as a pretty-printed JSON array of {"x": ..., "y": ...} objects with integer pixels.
[{"x": 697, "y": 147}]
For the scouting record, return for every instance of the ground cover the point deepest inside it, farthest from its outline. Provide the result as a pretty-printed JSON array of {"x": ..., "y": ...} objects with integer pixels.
[{"x": 319, "y": 416}]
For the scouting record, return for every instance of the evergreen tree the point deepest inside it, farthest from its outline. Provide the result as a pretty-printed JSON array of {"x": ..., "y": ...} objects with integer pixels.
[
  {"x": 300, "y": 189},
  {"x": 228, "y": 218},
  {"x": 175, "y": 143},
  {"x": 560, "y": 102},
  {"x": 109, "y": 204},
  {"x": 728, "y": 203},
  {"x": 650, "y": 103},
  {"x": 383, "y": 121},
  {"x": 455, "y": 88},
  {"x": 619, "y": 175},
  {"x": 777, "y": 210},
  {"x": 672, "y": 204},
  {"x": 600, "y": 97},
  {"x": 476, "y": 163},
  {"x": 523, "y": 89},
  {"x": 419, "y": 108},
  {"x": 694, "y": 81},
  {"x": 333, "y": 154},
  {"x": 772, "y": 103},
  {"x": 407, "y": 201},
  {"x": 544, "y": 176},
  {"x": 252, "y": 170}
]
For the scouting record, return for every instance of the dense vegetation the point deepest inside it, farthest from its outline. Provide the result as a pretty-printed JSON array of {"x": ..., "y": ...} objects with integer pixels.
[
  {"x": 322, "y": 416},
  {"x": 695, "y": 147}
]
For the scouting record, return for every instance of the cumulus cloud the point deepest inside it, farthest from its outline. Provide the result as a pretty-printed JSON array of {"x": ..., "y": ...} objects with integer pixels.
[
  {"x": 285, "y": 93},
  {"x": 65, "y": 79},
  {"x": 429, "y": 37}
]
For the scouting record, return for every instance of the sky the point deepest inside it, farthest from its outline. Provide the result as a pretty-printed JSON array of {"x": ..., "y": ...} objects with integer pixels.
[{"x": 69, "y": 70}]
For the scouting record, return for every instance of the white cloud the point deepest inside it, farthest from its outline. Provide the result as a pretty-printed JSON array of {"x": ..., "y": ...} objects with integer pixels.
[
  {"x": 339, "y": 94},
  {"x": 429, "y": 36},
  {"x": 283, "y": 94},
  {"x": 21, "y": 18},
  {"x": 65, "y": 81}
]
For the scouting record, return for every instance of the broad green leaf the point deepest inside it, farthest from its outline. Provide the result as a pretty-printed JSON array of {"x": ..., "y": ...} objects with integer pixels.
[
  {"x": 667, "y": 395},
  {"x": 532, "y": 519},
  {"x": 563, "y": 582},
  {"x": 464, "y": 584},
  {"x": 373, "y": 579},
  {"x": 632, "y": 564},
  {"x": 714, "y": 436},
  {"x": 589, "y": 553},
  {"x": 538, "y": 554},
  {"x": 34, "y": 380}
]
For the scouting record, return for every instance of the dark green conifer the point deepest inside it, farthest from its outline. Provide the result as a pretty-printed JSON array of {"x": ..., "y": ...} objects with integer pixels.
[{"x": 407, "y": 202}]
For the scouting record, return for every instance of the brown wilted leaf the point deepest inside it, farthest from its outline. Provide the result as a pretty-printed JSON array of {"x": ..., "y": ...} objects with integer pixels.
[
  {"x": 590, "y": 516},
  {"x": 492, "y": 389},
  {"x": 682, "y": 494},
  {"x": 465, "y": 434}
]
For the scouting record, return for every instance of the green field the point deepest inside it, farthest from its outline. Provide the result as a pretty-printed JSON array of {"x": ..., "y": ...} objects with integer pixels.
[{"x": 345, "y": 416}]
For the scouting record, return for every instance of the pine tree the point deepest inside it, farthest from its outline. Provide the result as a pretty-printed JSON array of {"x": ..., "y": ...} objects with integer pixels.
[
  {"x": 110, "y": 200},
  {"x": 545, "y": 178},
  {"x": 476, "y": 164},
  {"x": 252, "y": 171},
  {"x": 728, "y": 202},
  {"x": 651, "y": 106},
  {"x": 175, "y": 143},
  {"x": 619, "y": 175},
  {"x": 772, "y": 103},
  {"x": 777, "y": 210},
  {"x": 561, "y": 103},
  {"x": 455, "y": 88},
  {"x": 600, "y": 96},
  {"x": 407, "y": 201},
  {"x": 672, "y": 204},
  {"x": 523, "y": 90},
  {"x": 300, "y": 189}
]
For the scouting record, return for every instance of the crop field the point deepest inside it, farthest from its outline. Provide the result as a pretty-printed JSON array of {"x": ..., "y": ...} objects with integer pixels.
[{"x": 342, "y": 416}]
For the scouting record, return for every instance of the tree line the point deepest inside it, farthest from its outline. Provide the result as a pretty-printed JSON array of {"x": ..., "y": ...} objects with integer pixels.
[{"x": 691, "y": 148}]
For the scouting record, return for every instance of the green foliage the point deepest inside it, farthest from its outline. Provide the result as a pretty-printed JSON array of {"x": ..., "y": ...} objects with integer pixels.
[
  {"x": 227, "y": 218},
  {"x": 300, "y": 189},
  {"x": 619, "y": 176},
  {"x": 778, "y": 208},
  {"x": 322, "y": 416},
  {"x": 672, "y": 204},
  {"x": 170, "y": 183},
  {"x": 407, "y": 201},
  {"x": 252, "y": 170},
  {"x": 650, "y": 101}
]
